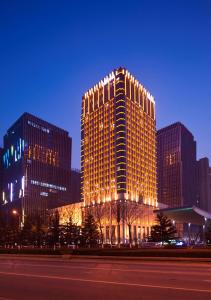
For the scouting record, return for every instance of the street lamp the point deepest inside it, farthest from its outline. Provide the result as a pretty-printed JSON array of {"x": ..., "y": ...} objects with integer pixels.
[
  {"x": 16, "y": 213},
  {"x": 189, "y": 239},
  {"x": 204, "y": 230}
]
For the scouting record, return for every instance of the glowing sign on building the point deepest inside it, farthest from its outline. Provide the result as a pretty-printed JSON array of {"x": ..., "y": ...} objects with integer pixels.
[
  {"x": 33, "y": 124},
  {"x": 48, "y": 185}
]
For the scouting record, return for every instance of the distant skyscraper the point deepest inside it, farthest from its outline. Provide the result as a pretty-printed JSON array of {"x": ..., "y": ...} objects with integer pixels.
[
  {"x": 118, "y": 144},
  {"x": 176, "y": 162},
  {"x": 204, "y": 184},
  {"x": 36, "y": 166}
]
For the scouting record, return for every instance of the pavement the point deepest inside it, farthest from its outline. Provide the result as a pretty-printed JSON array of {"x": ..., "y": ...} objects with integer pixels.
[{"x": 91, "y": 278}]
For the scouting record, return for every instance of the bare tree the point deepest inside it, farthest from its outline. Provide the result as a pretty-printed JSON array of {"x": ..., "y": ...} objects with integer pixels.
[
  {"x": 99, "y": 212},
  {"x": 132, "y": 211},
  {"x": 117, "y": 213}
]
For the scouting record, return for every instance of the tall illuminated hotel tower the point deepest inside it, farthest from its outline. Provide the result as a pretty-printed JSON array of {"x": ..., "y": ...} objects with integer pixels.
[{"x": 118, "y": 142}]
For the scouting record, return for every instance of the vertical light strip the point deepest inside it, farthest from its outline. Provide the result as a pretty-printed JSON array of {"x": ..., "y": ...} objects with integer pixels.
[
  {"x": 11, "y": 191},
  {"x": 23, "y": 185},
  {"x": 88, "y": 104}
]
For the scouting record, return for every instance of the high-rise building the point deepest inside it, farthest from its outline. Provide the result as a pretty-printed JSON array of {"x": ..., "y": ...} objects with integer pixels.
[
  {"x": 204, "y": 184},
  {"x": 118, "y": 155},
  {"x": 36, "y": 166},
  {"x": 118, "y": 144},
  {"x": 176, "y": 163}
]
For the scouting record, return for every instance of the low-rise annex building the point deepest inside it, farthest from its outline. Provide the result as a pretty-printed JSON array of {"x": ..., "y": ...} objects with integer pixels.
[
  {"x": 67, "y": 212},
  {"x": 130, "y": 219}
]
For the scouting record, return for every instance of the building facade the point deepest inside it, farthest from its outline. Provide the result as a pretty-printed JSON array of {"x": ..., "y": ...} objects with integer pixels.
[
  {"x": 1, "y": 171},
  {"x": 209, "y": 190},
  {"x": 75, "y": 185},
  {"x": 69, "y": 212},
  {"x": 176, "y": 165},
  {"x": 204, "y": 184},
  {"x": 118, "y": 152},
  {"x": 36, "y": 166}
]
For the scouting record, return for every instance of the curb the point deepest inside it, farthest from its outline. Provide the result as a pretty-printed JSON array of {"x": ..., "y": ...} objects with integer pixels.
[{"x": 69, "y": 257}]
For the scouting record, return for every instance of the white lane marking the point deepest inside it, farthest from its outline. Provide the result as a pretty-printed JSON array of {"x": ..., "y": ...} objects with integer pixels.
[
  {"x": 110, "y": 269},
  {"x": 3, "y": 298},
  {"x": 107, "y": 282}
]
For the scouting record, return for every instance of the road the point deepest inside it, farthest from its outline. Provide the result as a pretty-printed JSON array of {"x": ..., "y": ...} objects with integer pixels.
[{"x": 78, "y": 278}]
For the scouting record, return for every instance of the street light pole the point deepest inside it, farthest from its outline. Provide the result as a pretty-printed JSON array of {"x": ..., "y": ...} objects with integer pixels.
[
  {"x": 189, "y": 224},
  {"x": 204, "y": 230},
  {"x": 16, "y": 213}
]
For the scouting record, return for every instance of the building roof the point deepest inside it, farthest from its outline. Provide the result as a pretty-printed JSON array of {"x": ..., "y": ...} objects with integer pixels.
[
  {"x": 112, "y": 75},
  {"x": 26, "y": 115},
  {"x": 193, "y": 215},
  {"x": 172, "y": 126}
]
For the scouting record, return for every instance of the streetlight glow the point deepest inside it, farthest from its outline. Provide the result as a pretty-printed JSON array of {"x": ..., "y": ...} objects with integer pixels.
[{"x": 14, "y": 212}]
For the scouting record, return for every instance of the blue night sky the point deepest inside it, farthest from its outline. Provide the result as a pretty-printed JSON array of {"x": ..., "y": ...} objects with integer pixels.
[{"x": 51, "y": 52}]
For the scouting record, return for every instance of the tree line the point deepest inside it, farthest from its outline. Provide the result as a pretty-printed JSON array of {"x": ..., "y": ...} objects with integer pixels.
[{"x": 35, "y": 232}]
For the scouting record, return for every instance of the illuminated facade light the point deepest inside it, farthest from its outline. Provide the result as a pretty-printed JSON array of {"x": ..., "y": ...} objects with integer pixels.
[
  {"x": 23, "y": 185},
  {"x": 14, "y": 153},
  {"x": 44, "y": 194},
  {"x": 11, "y": 192}
]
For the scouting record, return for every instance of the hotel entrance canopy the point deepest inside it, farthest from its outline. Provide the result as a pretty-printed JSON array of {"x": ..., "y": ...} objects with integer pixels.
[{"x": 193, "y": 215}]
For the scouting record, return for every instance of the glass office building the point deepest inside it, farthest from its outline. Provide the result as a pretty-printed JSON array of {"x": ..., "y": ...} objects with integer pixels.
[{"x": 36, "y": 166}]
